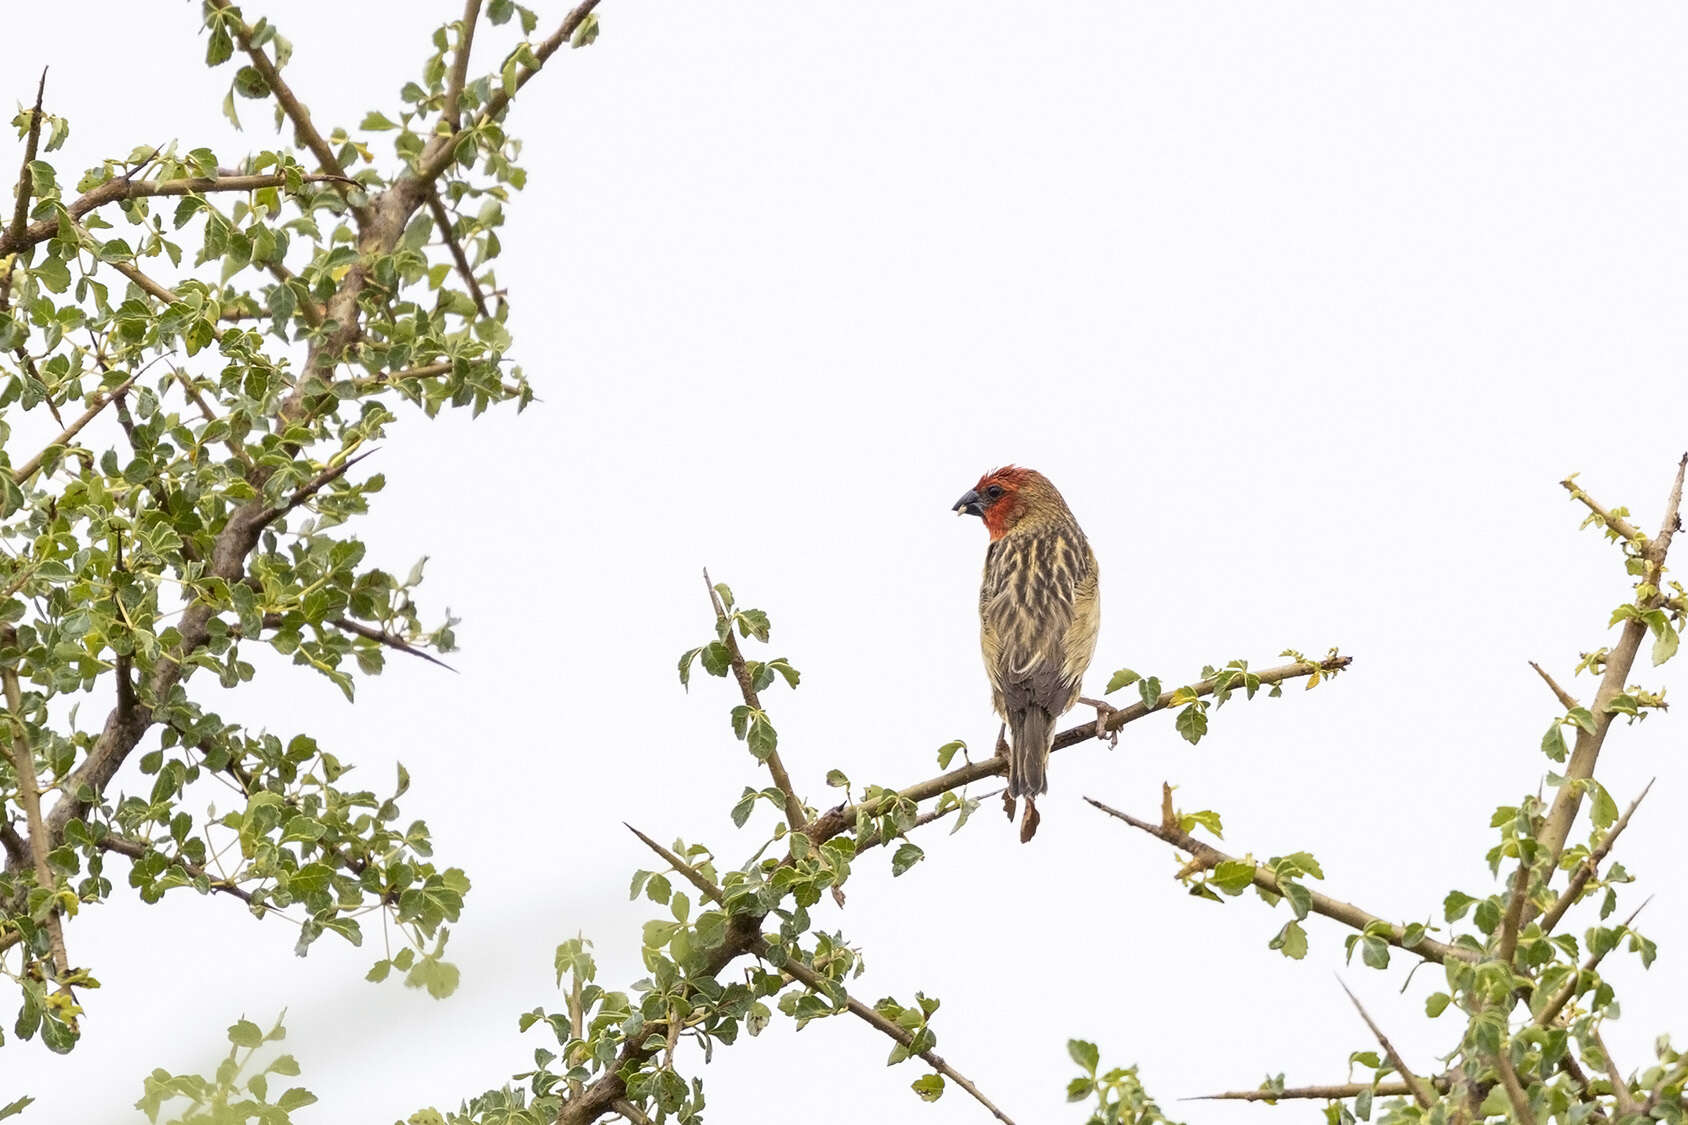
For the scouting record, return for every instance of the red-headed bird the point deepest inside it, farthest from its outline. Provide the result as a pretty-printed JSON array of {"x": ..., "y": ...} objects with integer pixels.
[{"x": 1038, "y": 616}]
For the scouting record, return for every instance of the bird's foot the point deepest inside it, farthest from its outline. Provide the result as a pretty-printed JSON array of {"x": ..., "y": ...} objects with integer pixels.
[
  {"x": 1029, "y": 822},
  {"x": 1104, "y": 712}
]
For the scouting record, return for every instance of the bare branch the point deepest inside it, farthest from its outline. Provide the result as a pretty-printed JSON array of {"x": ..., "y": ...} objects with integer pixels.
[
  {"x": 836, "y": 820},
  {"x": 379, "y": 636},
  {"x": 1618, "y": 664},
  {"x": 1508, "y": 944},
  {"x": 26, "y": 470},
  {"x": 1347, "y": 913},
  {"x": 794, "y": 817},
  {"x": 1568, "y": 700},
  {"x": 1421, "y": 1092},
  {"x": 316, "y": 484},
  {"x": 1587, "y": 869}
]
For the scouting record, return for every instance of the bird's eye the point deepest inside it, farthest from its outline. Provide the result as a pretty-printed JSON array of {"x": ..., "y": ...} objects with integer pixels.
[{"x": 994, "y": 491}]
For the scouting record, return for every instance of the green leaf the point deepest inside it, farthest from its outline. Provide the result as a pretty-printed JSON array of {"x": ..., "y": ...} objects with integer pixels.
[
  {"x": 947, "y": 752},
  {"x": 1205, "y": 818},
  {"x": 716, "y": 658},
  {"x": 1664, "y": 647},
  {"x": 1553, "y": 743},
  {"x": 686, "y": 659},
  {"x": 1192, "y": 722},
  {"x": 1084, "y": 1054},
  {"x": 1582, "y": 717},
  {"x": 906, "y": 857},
  {"x": 376, "y": 122},
  {"x": 835, "y": 779},
  {"x": 1291, "y": 941},
  {"x": 1374, "y": 951},
  {"x": 1604, "y": 810},
  {"x": 246, "y": 1034},
  {"x": 1233, "y": 876},
  {"x": 930, "y": 1087},
  {"x": 1455, "y": 905},
  {"x": 1436, "y": 1003},
  {"x": 249, "y": 82},
  {"x": 1125, "y": 677},
  {"x": 1150, "y": 690}
]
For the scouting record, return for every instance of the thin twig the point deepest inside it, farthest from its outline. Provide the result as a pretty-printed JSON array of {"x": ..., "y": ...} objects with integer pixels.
[
  {"x": 794, "y": 817},
  {"x": 1336, "y": 1092},
  {"x": 1627, "y": 1105},
  {"x": 1589, "y": 867},
  {"x": 1521, "y": 1112},
  {"x": 138, "y": 849},
  {"x": 305, "y": 491},
  {"x": 26, "y": 470},
  {"x": 379, "y": 636},
  {"x": 1550, "y": 1011},
  {"x": 1421, "y": 1092},
  {"x": 1508, "y": 943},
  {"x": 1619, "y": 526},
  {"x": 1566, "y": 698},
  {"x": 1347, "y": 913},
  {"x": 442, "y": 219}
]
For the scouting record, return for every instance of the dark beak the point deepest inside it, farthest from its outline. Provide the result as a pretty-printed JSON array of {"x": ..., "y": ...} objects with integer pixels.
[{"x": 969, "y": 505}]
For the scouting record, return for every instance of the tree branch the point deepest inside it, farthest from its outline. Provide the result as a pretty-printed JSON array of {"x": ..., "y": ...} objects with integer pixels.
[
  {"x": 834, "y": 821},
  {"x": 1550, "y": 1011},
  {"x": 443, "y": 220},
  {"x": 1618, "y": 664},
  {"x": 437, "y": 157},
  {"x": 118, "y": 188},
  {"x": 39, "y": 843},
  {"x": 1627, "y": 1105},
  {"x": 1514, "y": 1089},
  {"x": 1589, "y": 867},
  {"x": 1566, "y": 698},
  {"x": 1421, "y": 1092},
  {"x": 1347, "y": 913},
  {"x": 1337, "y": 1092},
  {"x": 137, "y": 849},
  {"x": 794, "y": 817},
  {"x": 1619, "y": 526},
  {"x": 304, "y": 131},
  {"x": 26, "y": 178},
  {"x": 451, "y": 116},
  {"x": 816, "y": 983},
  {"x": 26, "y": 470}
]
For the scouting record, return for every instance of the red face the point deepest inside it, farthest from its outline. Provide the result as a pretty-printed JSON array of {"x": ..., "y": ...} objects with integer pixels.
[{"x": 995, "y": 499}]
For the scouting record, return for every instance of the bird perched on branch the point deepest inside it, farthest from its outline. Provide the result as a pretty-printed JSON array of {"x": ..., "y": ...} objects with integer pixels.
[{"x": 1038, "y": 617}]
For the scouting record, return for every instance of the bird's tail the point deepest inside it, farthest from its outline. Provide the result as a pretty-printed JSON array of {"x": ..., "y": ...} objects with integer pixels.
[{"x": 1033, "y": 731}]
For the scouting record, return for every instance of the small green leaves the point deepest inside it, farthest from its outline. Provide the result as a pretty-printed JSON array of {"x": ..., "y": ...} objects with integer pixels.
[
  {"x": 930, "y": 1087},
  {"x": 948, "y": 751},
  {"x": 1582, "y": 717},
  {"x": 1084, "y": 1055},
  {"x": 586, "y": 33},
  {"x": 1125, "y": 677},
  {"x": 1553, "y": 743},
  {"x": 1233, "y": 876},
  {"x": 1205, "y": 818},
  {"x": 1192, "y": 721}
]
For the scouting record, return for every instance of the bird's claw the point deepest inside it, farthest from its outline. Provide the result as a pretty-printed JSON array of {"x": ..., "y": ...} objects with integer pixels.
[{"x": 1104, "y": 712}]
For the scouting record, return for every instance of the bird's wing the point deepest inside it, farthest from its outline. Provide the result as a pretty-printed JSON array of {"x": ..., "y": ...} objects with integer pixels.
[{"x": 1038, "y": 613}]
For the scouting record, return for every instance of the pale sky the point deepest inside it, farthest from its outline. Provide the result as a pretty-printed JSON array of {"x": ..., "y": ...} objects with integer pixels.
[{"x": 1305, "y": 307}]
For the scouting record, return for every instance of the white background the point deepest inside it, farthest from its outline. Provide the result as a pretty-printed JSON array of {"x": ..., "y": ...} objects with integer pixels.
[{"x": 1305, "y": 307}]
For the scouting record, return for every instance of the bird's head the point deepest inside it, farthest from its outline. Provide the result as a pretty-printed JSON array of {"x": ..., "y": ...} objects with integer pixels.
[{"x": 1006, "y": 496}]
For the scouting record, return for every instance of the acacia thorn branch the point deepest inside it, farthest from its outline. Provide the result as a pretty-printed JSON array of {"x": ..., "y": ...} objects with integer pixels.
[
  {"x": 1421, "y": 1092},
  {"x": 1568, "y": 700},
  {"x": 1619, "y": 661},
  {"x": 1587, "y": 869},
  {"x": 26, "y": 470},
  {"x": 836, "y": 820},
  {"x": 1345, "y": 912},
  {"x": 1550, "y": 1011},
  {"x": 26, "y": 177},
  {"x": 1335, "y": 1092},
  {"x": 816, "y": 983}
]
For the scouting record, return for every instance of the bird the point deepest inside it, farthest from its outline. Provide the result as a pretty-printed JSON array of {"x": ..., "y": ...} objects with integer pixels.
[{"x": 1039, "y": 612}]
